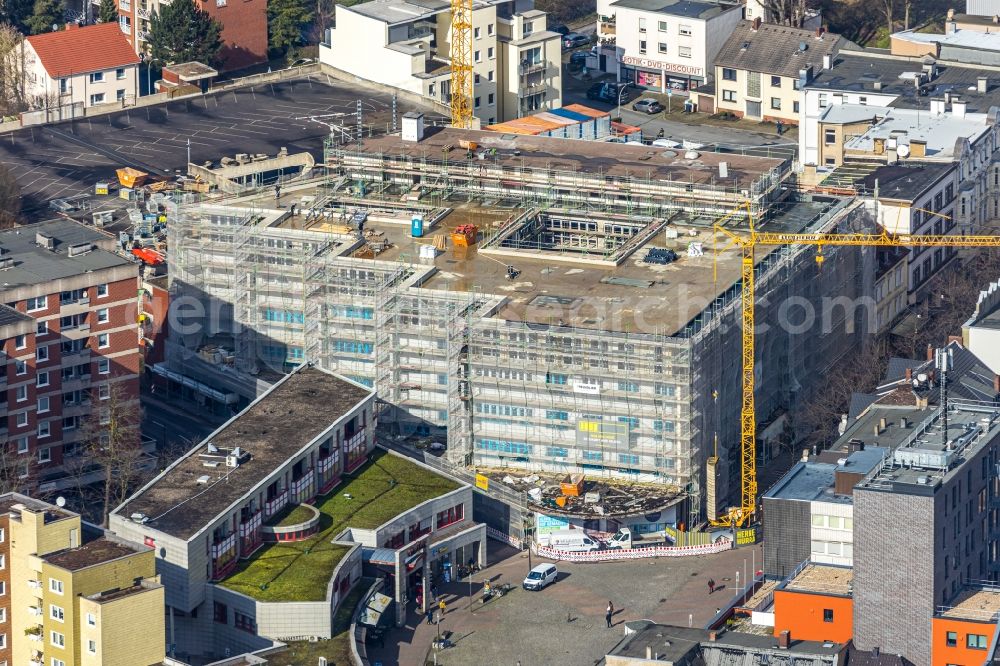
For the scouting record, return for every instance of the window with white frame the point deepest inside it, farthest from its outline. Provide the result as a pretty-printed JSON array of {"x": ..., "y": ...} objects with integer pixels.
[
  {"x": 22, "y": 447},
  {"x": 42, "y": 378},
  {"x": 42, "y": 328},
  {"x": 728, "y": 95},
  {"x": 91, "y": 620},
  {"x": 43, "y": 404},
  {"x": 21, "y": 419},
  {"x": 642, "y": 46},
  {"x": 662, "y": 47},
  {"x": 661, "y": 26},
  {"x": 44, "y": 431},
  {"x": 103, "y": 391},
  {"x": 684, "y": 29},
  {"x": 642, "y": 25},
  {"x": 58, "y": 662},
  {"x": 3, "y": 615},
  {"x": 120, "y": 73},
  {"x": 96, "y": 77},
  {"x": 37, "y": 303},
  {"x": 57, "y": 612},
  {"x": 57, "y": 639},
  {"x": 42, "y": 354},
  {"x": 103, "y": 366},
  {"x": 20, "y": 341},
  {"x": 97, "y": 98},
  {"x": 91, "y": 646},
  {"x": 63, "y": 86},
  {"x": 21, "y": 393},
  {"x": 55, "y": 585},
  {"x": 103, "y": 340},
  {"x": 102, "y": 316},
  {"x": 102, "y": 290},
  {"x": 684, "y": 51},
  {"x": 20, "y": 368}
]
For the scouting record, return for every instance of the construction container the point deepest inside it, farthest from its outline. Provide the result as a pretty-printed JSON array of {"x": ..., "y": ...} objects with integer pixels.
[
  {"x": 126, "y": 193},
  {"x": 468, "y": 145},
  {"x": 417, "y": 226},
  {"x": 572, "y": 485},
  {"x": 131, "y": 178},
  {"x": 101, "y": 188},
  {"x": 464, "y": 235}
]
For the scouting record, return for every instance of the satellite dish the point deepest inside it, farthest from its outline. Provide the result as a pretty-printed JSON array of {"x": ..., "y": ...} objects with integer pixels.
[
  {"x": 903, "y": 150},
  {"x": 60, "y": 501}
]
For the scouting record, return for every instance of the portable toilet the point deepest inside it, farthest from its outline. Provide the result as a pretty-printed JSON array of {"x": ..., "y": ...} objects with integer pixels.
[{"x": 417, "y": 226}]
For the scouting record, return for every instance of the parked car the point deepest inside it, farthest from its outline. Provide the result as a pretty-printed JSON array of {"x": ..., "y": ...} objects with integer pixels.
[
  {"x": 647, "y": 105},
  {"x": 578, "y": 59},
  {"x": 561, "y": 29},
  {"x": 619, "y": 93},
  {"x": 540, "y": 577},
  {"x": 575, "y": 39},
  {"x": 595, "y": 91}
]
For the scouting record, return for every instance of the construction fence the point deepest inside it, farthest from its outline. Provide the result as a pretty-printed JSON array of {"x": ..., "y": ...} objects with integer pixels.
[{"x": 618, "y": 554}]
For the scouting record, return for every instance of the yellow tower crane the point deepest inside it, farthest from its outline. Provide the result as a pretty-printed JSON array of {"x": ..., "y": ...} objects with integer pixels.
[
  {"x": 739, "y": 516},
  {"x": 461, "y": 63}
]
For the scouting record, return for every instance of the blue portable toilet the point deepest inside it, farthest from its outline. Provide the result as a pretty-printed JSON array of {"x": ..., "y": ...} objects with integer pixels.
[{"x": 417, "y": 226}]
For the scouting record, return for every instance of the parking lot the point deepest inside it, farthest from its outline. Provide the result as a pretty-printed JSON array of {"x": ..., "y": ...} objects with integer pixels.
[
  {"x": 67, "y": 159},
  {"x": 564, "y": 623}
]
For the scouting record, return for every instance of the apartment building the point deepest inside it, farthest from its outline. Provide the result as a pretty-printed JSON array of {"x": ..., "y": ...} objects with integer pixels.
[
  {"x": 73, "y": 595},
  {"x": 222, "y": 513},
  {"x": 517, "y": 61},
  {"x": 981, "y": 332},
  {"x": 80, "y": 66},
  {"x": 244, "y": 27},
  {"x": 761, "y": 67},
  {"x": 664, "y": 44},
  {"x": 69, "y": 336}
]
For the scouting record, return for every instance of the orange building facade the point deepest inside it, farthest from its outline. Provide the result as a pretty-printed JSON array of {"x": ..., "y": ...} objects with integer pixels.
[
  {"x": 811, "y": 616},
  {"x": 960, "y": 642}
]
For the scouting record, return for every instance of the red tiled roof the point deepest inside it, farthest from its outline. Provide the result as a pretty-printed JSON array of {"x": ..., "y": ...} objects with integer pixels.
[{"x": 81, "y": 50}]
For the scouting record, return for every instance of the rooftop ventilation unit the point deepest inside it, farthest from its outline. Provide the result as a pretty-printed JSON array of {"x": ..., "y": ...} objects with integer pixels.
[
  {"x": 44, "y": 240},
  {"x": 139, "y": 517},
  {"x": 77, "y": 249},
  {"x": 203, "y": 479}
]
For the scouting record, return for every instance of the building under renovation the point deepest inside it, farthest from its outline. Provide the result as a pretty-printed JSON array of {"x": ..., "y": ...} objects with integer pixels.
[{"x": 539, "y": 303}]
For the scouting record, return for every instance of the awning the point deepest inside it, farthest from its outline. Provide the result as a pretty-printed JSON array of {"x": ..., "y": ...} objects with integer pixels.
[{"x": 378, "y": 556}]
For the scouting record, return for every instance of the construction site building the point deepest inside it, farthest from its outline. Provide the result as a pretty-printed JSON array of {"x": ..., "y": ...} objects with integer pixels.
[{"x": 559, "y": 340}]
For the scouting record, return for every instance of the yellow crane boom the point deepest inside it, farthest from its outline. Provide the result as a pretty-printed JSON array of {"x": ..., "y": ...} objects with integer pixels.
[
  {"x": 741, "y": 515},
  {"x": 461, "y": 63}
]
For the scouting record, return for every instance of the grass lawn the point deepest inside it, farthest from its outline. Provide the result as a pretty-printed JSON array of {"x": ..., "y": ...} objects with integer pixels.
[
  {"x": 292, "y": 515},
  {"x": 381, "y": 489},
  {"x": 337, "y": 650}
]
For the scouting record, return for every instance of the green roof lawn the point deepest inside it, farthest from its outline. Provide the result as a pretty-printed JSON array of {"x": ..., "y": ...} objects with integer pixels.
[
  {"x": 292, "y": 515},
  {"x": 380, "y": 490}
]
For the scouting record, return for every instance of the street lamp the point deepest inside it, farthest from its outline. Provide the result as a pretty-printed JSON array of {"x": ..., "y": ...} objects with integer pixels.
[
  {"x": 149, "y": 75},
  {"x": 620, "y": 93}
]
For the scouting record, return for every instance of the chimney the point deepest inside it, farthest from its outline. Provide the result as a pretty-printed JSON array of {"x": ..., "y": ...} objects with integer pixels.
[
  {"x": 784, "y": 639},
  {"x": 649, "y": 652},
  {"x": 918, "y": 148},
  {"x": 877, "y": 85},
  {"x": 880, "y": 145},
  {"x": 72, "y": 26},
  {"x": 982, "y": 84},
  {"x": 876, "y": 430},
  {"x": 954, "y": 338},
  {"x": 756, "y": 23},
  {"x": 996, "y": 18},
  {"x": 805, "y": 455},
  {"x": 909, "y": 374},
  {"x": 903, "y": 423},
  {"x": 827, "y": 61},
  {"x": 876, "y": 651},
  {"x": 930, "y": 353},
  {"x": 958, "y": 108},
  {"x": 947, "y": 97},
  {"x": 819, "y": 32},
  {"x": 937, "y": 106},
  {"x": 882, "y": 423},
  {"x": 951, "y": 14},
  {"x": 713, "y": 635}
]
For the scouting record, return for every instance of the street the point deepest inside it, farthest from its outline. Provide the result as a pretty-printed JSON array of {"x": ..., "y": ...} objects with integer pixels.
[{"x": 173, "y": 423}]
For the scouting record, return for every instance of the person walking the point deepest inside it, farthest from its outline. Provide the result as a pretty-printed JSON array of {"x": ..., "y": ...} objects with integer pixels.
[
  {"x": 711, "y": 585},
  {"x": 608, "y": 613},
  {"x": 430, "y": 616},
  {"x": 442, "y": 606}
]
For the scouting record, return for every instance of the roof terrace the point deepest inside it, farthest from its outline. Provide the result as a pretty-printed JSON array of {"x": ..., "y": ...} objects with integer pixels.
[
  {"x": 977, "y": 604},
  {"x": 821, "y": 579},
  {"x": 383, "y": 488}
]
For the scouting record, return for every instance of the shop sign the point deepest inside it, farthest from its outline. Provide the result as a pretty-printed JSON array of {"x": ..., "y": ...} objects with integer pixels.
[
  {"x": 482, "y": 482},
  {"x": 663, "y": 66}
]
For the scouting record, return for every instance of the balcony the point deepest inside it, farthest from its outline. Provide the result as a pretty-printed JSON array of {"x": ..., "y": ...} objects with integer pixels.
[
  {"x": 76, "y": 357},
  {"x": 76, "y": 383},
  {"x": 78, "y": 408},
  {"x": 35, "y": 584},
  {"x": 72, "y": 307},
  {"x": 531, "y": 90},
  {"x": 532, "y": 67},
  {"x": 76, "y": 332},
  {"x": 275, "y": 505},
  {"x": 606, "y": 28},
  {"x": 142, "y": 13},
  {"x": 34, "y": 611},
  {"x": 142, "y": 35}
]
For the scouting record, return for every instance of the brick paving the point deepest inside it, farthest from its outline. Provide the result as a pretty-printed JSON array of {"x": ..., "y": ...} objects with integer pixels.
[{"x": 565, "y": 622}]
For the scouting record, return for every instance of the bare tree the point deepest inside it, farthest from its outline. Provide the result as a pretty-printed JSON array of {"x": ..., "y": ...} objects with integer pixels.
[
  {"x": 889, "y": 11},
  {"x": 15, "y": 471},
  {"x": 112, "y": 440},
  {"x": 785, "y": 12},
  {"x": 12, "y": 94}
]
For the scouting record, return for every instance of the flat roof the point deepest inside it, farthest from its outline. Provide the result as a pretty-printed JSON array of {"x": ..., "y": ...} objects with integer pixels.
[
  {"x": 822, "y": 579},
  {"x": 273, "y": 429},
  {"x": 35, "y": 264},
  {"x": 403, "y": 11},
  {"x": 856, "y": 71},
  {"x": 972, "y": 39},
  {"x": 941, "y": 132},
  {"x": 683, "y": 8},
  {"x": 672, "y": 643},
  {"x": 905, "y": 182},
  {"x": 982, "y": 604},
  {"x": 93, "y": 552}
]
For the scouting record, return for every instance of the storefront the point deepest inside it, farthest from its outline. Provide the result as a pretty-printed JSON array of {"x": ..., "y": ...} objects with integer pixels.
[
  {"x": 448, "y": 552},
  {"x": 661, "y": 76}
]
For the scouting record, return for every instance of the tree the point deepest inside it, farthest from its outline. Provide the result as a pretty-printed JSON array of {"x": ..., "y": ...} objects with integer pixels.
[
  {"x": 784, "y": 12},
  {"x": 12, "y": 99},
  {"x": 46, "y": 14},
  {"x": 10, "y": 198},
  {"x": 181, "y": 32},
  {"x": 108, "y": 11},
  {"x": 113, "y": 443},
  {"x": 889, "y": 11},
  {"x": 286, "y": 22},
  {"x": 16, "y": 13}
]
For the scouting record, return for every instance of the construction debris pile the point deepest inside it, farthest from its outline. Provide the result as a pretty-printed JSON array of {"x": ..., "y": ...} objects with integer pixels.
[{"x": 576, "y": 495}]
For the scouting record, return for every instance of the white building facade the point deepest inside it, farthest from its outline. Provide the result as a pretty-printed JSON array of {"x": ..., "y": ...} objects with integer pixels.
[
  {"x": 517, "y": 68},
  {"x": 664, "y": 45}
]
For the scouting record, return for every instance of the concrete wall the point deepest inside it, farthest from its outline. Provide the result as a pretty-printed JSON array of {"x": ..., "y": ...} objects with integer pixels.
[{"x": 829, "y": 544}]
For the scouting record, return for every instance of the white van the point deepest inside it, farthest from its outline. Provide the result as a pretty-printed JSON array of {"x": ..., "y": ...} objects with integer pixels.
[
  {"x": 571, "y": 541},
  {"x": 540, "y": 577}
]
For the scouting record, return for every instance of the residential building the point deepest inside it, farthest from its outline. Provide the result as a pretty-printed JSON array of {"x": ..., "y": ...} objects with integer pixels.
[
  {"x": 69, "y": 341},
  {"x": 965, "y": 629},
  {"x": 981, "y": 332},
  {"x": 517, "y": 61},
  {"x": 244, "y": 27},
  {"x": 815, "y": 603},
  {"x": 77, "y": 596},
  {"x": 80, "y": 67},
  {"x": 986, "y": 9},
  {"x": 221, "y": 513},
  {"x": 520, "y": 378},
  {"x": 666, "y": 44},
  {"x": 965, "y": 194},
  {"x": 761, "y": 67},
  {"x": 892, "y": 285}
]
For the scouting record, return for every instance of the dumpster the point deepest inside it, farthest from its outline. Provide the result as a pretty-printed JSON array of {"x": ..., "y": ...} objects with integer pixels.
[{"x": 131, "y": 178}]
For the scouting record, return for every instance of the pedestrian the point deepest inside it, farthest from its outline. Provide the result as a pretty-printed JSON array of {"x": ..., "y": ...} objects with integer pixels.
[
  {"x": 711, "y": 586},
  {"x": 608, "y": 613},
  {"x": 434, "y": 592},
  {"x": 430, "y": 616},
  {"x": 442, "y": 606},
  {"x": 277, "y": 191}
]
